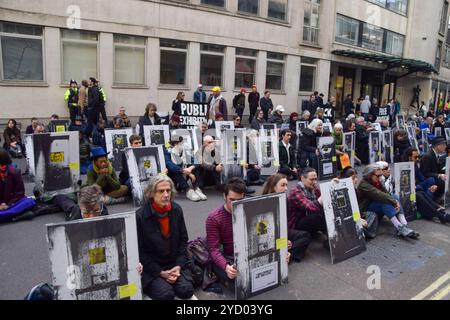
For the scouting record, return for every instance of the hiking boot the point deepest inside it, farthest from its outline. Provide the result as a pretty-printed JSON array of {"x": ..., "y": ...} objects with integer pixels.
[
  {"x": 202, "y": 196},
  {"x": 27, "y": 215},
  {"x": 192, "y": 195}
]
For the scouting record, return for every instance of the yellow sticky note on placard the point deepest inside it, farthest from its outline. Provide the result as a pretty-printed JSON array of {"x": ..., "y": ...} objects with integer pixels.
[
  {"x": 167, "y": 145},
  {"x": 353, "y": 153},
  {"x": 412, "y": 197},
  {"x": 243, "y": 162},
  {"x": 276, "y": 163},
  {"x": 356, "y": 216},
  {"x": 282, "y": 243},
  {"x": 379, "y": 154},
  {"x": 74, "y": 166},
  {"x": 334, "y": 159},
  {"x": 61, "y": 128},
  {"x": 128, "y": 291}
]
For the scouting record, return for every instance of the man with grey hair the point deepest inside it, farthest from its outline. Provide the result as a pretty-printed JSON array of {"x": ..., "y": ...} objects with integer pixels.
[
  {"x": 373, "y": 196},
  {"x": 162, "y": 240},
  {"x": 90, "y": 204}
]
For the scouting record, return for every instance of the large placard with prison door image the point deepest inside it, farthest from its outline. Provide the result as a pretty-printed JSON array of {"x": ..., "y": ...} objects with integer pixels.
[
  {"x": 95, "y": 259},
  {"x": 400, "y": 121},
  {"x": 54, "y": 161},
  {"x": 344, "y": 224},
  {"x": 260, "y": 244},
  {"x": 388, "y": 146},
  {"x": 327, "y": 158},
  {"x": 375, "y": 139},
  {"x": 405, "y": 188},
  {"x": 267, "y": 152},
  {"x": 221, "y": 126},
  {"x": 156, "y": 135},
  {"x": 58, "y": 125},
  {"x": 447, "y": 183},
  {"x": 233, "y": 154},
  {"x": 143, "y": 163},
  {"x": 412, "y": 136},
  {"x": 349, "y": 146},
  {"x": 424, "y": 141},
  {"x": 116, "y": 142},
  {"x": 190, "y": 143}
]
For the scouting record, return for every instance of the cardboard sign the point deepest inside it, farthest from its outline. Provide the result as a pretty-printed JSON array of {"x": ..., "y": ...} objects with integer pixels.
[
  {"x": 117, "y": 140},
  {"x": 54, "y": 161},
  {"x": 95, "y": 259},
  {"x": 405, "y": 188},
  {"x": 260, "y": 244},
  {"x": 327, "y": 159},
  {"x": 344, "y": 225},
  {"x": 143, "y": 163}
]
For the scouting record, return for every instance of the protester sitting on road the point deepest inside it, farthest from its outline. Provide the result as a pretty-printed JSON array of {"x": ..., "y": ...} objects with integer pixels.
[
  {"x": 150, "y": 118},
  {"x": 102, "y": 173},
  {"x": 430, "y": 165},
  {"x": 428, "y": 185},
  {"x": 306, "y": 205},
  {"x": 98, "y": 135},
  {"x": 252, "y": 167},
  {"x": 32, "y": 126},
  {"x": 370, "y": 219},
  {"x": 90, "y": 203},
  {"x": 219, "y": 233},
  {"x": 286, "y": 151},
  {"x": 12, "y": 190},
  {"x": 185, "y": 177},
  {"x": 13, "y": 140},
  {"x": 122, "y": 115},
  {"x": 372, "y": 196},
  {"x": 258, "y": 120},
  {"x": 40, "y": 128},
  {"x": 362, "y": 140},
  {"x": 124, "y": 175},
  {"x": 298, "y": 241},
  {"x": 85, "y": 152},
  {"x": 210, "y": 167},
  {"x": 306, "y": 116},
  {"x": 386, "y": 179},
  {"x": 237, "y": 122},
  {"x": 78, "y": 124},
  {"x": 162, "y": 240},
  {"x": 174, "y": 122},
  {"x": 307, "y": 152},
  {"x": 277, "y": 116},
  {"x": 401, "y": 144}
]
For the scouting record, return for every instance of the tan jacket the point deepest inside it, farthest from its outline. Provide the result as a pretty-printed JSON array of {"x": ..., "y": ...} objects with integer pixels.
[{"x": 82, "y": 97}]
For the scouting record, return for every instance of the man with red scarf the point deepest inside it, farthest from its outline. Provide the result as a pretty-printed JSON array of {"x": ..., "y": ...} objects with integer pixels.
[
  {"x": 12, "y": 191},
  {"x": 162, "y": 239}
]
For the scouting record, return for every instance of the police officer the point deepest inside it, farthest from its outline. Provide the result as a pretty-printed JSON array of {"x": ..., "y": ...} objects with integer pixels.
[{"x": 71, "y": 96}]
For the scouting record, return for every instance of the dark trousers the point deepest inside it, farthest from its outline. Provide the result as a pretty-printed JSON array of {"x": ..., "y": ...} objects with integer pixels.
[
  {"x": 67, "y": 205},
  {"x": 312, "y": 223},
  {"x": 288, "y": 172},
  {"x": 240, "y": 111},
  {"x": 427, "y": 207},
  {"x": 222, "y": 275},
  {"x": 92, "y": 120},
  {"x": 208, "y": 178},
  {"x": 181, "y": 182},
  {"x": 252, "y": 113},
  {"x": 266, "y": 115},
  {"x": 160, "y": 289},
  {"x": 300, "y": 241},
  {"x": 102, "y": 111},
  {"x": 74, "y": 111}
]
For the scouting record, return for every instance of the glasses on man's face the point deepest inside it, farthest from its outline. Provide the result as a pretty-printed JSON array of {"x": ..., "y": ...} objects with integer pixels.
[{"x": 91, "y": 212}]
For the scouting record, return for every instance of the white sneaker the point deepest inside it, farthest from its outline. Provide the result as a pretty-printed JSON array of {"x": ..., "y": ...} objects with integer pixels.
[
  {"x": 202, "y": 196},
  {"x": 192, "y": 195}
]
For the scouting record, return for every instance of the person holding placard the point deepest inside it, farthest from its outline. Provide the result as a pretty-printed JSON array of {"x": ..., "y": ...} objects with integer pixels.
[{"x": 286, "y": 151}]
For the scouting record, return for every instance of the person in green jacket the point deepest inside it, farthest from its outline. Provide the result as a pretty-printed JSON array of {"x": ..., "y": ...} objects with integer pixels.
[
  {"x": 372, "y": 196},
  {"x": 101, "y": 172}
]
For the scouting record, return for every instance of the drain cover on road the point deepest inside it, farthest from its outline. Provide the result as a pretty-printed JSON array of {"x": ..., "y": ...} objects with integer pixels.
[{"x": 395, "y": 256}]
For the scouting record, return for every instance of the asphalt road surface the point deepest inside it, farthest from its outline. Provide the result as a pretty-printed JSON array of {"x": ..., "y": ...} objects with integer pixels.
[{"x": 408, "y": 269}]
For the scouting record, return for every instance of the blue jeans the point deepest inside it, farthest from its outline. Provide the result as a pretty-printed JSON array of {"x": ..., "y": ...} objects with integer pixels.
[{"x": 385, "y": 209}]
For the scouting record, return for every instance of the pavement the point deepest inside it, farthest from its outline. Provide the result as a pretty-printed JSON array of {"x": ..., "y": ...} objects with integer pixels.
[{"x": 407, "y": 268}]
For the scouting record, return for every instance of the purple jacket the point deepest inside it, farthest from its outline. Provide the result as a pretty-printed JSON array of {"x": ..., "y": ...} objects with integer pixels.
[{"x": 12, "y": 190}]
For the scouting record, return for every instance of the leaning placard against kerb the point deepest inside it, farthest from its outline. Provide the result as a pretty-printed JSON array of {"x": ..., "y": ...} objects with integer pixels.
[
  {"x": 375, "y": 146},
  {"x": 260, "y": 244},
  {"x": 58, "y": 125},
  {"x": 344, "y": 224},
  {"x": 447, "y": 183},
  {"x": 221, "y": 126},
  {"x": 143, "y": 163},
  {"x": 190, "y": 144},
  {"x": 405, "y": 188},
  {"x": 55, "y": 162},
  {"x": 156, "y": 135},
  {"x": 327, "y": 158},
  {"x": 233, "y": 154},
  {"x": 400, "y": 121},
  {"x": 95, "y": 259},
  {"x": 388, "y": 146},
  {"x": 192, "y": 113},
  {"x": 412, "y": 136},
  {"x": 349, "y": 146},
  {"x": 116, "y": 142},
  {"x": 267, "y": 152},
  {"x": 424, "y": 141}
]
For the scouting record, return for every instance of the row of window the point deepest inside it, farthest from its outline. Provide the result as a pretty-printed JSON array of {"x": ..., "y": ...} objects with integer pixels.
[
  {"x": 358, "y": 33},
  {"x": 277, "y": 9},
  {"x": 22, "y": 60},
  {"x": 399, "y": 6}
]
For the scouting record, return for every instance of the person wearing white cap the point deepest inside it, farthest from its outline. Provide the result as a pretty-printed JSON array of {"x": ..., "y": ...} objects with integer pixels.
[
  {"x": 199, "y": 95},
  {"x": 277, "y": 116}
]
